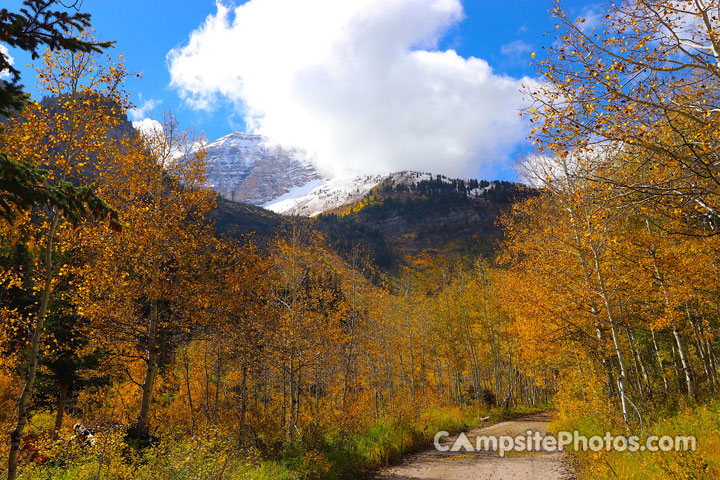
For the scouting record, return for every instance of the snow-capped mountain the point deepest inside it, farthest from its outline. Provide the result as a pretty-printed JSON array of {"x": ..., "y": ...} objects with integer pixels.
[
  {"x": 245, "y": 168},
  {"x": 324, "y": 195}
]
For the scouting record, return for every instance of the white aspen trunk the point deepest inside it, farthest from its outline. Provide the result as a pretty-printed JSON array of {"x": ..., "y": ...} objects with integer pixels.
[
  {"x": 681, "y": 349},
  {"x": 659, "y": 360},
  {"x": 682, "y": 353},
  {"x": 622, "y": 378},
  {"x": 638, "y": 359},
  {"x": 701, "y": 349}
]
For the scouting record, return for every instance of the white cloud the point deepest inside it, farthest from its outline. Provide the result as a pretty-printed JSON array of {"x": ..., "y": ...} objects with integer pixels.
[
  {"x": 516, "y": 48},
  {"x": 358, "y": 83},
  {"x": 593, "y": 16},
  {"x": 148, "y": 127},
  {"x": 539, "y": 170},
  {"x": 5, "y": 74},
  {"x": 553, "y": 172},
  {"x": 141, "y": 112}
]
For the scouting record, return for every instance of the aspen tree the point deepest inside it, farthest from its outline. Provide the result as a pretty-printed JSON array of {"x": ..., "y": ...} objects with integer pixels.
[
  {"x": 62, "y": 136},
  {"x": 139, "y": 281}
]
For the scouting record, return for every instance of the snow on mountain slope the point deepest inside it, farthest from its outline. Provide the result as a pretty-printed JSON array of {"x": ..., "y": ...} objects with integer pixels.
[
  {"x": 245, "y": 168},
  {"x": 329, "y": 195},
  {"x": 296, "y": 192},
  {"x": 338, "y": 192}
]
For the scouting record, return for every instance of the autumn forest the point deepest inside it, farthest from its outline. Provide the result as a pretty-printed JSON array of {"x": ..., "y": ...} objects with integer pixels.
[{"x": 189, "y": 352}]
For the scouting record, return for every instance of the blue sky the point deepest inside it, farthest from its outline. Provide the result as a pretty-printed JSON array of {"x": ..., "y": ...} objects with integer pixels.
[{"x": 503, "y": 34}]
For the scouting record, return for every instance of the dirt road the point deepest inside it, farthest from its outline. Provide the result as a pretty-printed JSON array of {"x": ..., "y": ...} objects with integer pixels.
[{"x": 435, "y": 465}]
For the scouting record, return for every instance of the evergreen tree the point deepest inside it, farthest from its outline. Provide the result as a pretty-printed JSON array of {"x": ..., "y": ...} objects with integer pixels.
[{"x": 23, "y": 185}]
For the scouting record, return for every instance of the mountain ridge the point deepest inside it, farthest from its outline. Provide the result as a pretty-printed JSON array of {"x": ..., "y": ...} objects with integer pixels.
[{"x": 248, "y": 168}]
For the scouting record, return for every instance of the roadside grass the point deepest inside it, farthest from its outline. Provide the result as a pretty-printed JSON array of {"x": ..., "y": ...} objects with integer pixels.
[
  {"x": 333, "y": 455},
  {"x": 702, "y": 422},
  {"x": 388, "y": 440}
]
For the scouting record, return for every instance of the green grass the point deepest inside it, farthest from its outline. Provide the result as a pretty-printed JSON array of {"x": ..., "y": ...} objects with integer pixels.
[
  {"x": 701, "y": 421},
  {"x": 331, "y": 455},
  {"x": 387, "y": 440},
  {"x": 353, "y": 455}
]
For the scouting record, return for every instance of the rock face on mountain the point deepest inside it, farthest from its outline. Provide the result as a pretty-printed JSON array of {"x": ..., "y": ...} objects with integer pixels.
[{"x": 244, "y": 168}]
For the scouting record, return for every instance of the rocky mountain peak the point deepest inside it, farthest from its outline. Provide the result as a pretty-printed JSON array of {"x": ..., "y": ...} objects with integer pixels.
[{"x": 244, "y": 167}]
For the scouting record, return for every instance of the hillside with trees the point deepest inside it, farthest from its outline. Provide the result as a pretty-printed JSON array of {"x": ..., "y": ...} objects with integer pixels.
[{"x": 448, "y": 216}]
